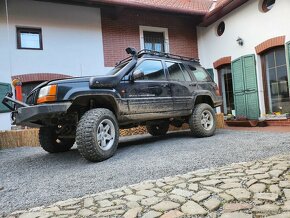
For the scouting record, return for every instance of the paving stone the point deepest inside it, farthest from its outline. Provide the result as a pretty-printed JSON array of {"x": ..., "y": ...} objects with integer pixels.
[
  {"x": 134, "y": 197},
  {"x": 51, "y": 209},
  {"x": 132, "y": 204},
  {"x": 119, "y": 202},
  {"x": 275, "y": 189},
  {"x": 197, "y": 179},
  {"x": 287, "y": 193},
  {"x": 282, "y": 215},
  {"x": 65, "y": 212},
  {"x": 239, "y": 193},
  {"x": 177, "y": 198},
  {"x": 269, "y": 181},
  {"x": 160, "y": 184},
  {"x": 34, "y": 215},
  {"x": 266, "y": 208},
  {"x": 103, "y": 209},
  {"x": 88, "y": 202},
  {"x": 68, "y": 202},
  {"x": 142, "y": 186},
  {"x": 201, "y": 195},
  {"x": 236, "y": 215},
  {"x": 286, "y": 206},
  {"x": 266, "y": 196},
  {"x": 193, "y": 187},
  {"x": 275, "y": 173},
  {"x": 150, "y": 201},
  {"x": 111, "y": 213},
  {"x": 182, "y": 192},
  {"x": 86, "y": 212},
  {"x": 212, "y": 204},
  {"x": 152, "y": 214},
  {"x": 133, "y": 213},
  {"x": 233, "y": 207},
  {"x": 231, "y": 180},
  {"x": 147, "y": 193},
  {"x": 258, "y": 171},
  {"x": 226, "y": 197},
  {"x": 284, "y": 184},
  {"x": 182, "y": 185},
  {"x": 105, "y": 203},
  {"x": 165, "y": 206},
  {"x": 236, "y": 174},
  {"x": 230, "y": 185},
  {"x": 262, "y": 176},
  {"x": 118, "y": 194},
  {"x": 212, "y": 182},
  {"x": 192, "y": 208},
  {"x": 104, "y": 196},
  {"x": 213, "y": 189},
  {"x": 258, "y": 187},
  {"x": 167, "y": 187},
  {"x": 172, "y": 214},
  {"x": 251, "y": 182},
  {"x": 127, "y": 191}
]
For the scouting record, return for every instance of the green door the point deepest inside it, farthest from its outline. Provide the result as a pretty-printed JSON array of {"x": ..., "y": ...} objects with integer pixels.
[{"x": 245, "y": 87}]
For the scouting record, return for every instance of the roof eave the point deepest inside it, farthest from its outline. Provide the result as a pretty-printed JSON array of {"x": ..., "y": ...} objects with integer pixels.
[{"x": 221, "y": 11}]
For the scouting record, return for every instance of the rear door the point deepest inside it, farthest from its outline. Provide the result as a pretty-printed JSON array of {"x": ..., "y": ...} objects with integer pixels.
[
  {"x": 150, "y": 94},
  {"x": 181, "y": 84}
]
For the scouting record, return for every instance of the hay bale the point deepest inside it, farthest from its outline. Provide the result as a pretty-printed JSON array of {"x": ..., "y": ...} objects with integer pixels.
[{"x": 19, "y": 138}]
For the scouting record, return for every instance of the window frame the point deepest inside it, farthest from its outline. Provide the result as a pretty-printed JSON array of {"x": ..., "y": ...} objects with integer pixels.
[
  {"x": 182, "y": 70},
  {"x": 154, "y": 29},
  {"x": 150, "y": 59},
  {"x": 36, "y": 30}
]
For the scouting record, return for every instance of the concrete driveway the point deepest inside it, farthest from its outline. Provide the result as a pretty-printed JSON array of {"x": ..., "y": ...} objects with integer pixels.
[{"x": 31, "y": 177}]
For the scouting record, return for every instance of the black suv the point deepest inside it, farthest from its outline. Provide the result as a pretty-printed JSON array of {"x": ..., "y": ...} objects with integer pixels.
[{"x": 148, "y": 88}]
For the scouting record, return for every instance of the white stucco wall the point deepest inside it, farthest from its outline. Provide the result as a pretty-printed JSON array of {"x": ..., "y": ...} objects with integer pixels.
[
  {"x": 72, "y": 41},
  {"x": 253, "y": 26}
]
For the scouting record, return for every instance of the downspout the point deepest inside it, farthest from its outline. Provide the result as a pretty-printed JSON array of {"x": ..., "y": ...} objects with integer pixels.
[{"x": 8, "y": 38}]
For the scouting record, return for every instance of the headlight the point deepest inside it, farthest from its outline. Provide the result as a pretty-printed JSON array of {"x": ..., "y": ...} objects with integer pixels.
[{"x": 47, "y": 94}]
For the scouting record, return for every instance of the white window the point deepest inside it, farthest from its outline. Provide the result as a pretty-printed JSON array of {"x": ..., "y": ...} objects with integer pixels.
[{"x": 154, "y": 38}]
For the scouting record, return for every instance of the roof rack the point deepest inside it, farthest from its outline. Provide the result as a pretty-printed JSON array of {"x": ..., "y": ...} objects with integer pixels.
[
  {"x": 168, "y": 55},
  {"x": 159, "y": 54}
]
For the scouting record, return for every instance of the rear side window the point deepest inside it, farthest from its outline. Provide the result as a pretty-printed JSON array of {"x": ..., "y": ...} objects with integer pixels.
[
  {"x": 176, "y": 72},
  {"x": 200, "y": 74},
  {"x": 152, "y": 69}
]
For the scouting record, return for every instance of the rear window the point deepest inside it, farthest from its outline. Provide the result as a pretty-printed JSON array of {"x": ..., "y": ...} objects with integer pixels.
[
  {"x": 177, "y": 72},
  {"x": 200, "y": 74}
]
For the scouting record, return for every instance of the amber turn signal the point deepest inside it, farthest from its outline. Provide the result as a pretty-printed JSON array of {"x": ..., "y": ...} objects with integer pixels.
[{"x": 47, "y": 94}]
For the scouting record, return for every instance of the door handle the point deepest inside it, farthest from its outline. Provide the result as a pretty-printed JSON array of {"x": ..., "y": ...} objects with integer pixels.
[
  {"x": 164, "y": 85},
  {"x": 193, "y": 84}
]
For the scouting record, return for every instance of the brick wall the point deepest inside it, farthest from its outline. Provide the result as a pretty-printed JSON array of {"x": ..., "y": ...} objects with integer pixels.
[{"x": 122, "y": 30}]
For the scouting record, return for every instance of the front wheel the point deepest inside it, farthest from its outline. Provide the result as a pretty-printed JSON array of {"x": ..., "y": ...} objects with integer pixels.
[
  {"x": 50, "y": 141},
  {"x": 97, "y": 135},
  {"x": 202, "y": 122}
]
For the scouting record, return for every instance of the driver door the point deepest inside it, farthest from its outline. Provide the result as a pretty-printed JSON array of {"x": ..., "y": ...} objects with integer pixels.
[{"x": 150, "y": 93}]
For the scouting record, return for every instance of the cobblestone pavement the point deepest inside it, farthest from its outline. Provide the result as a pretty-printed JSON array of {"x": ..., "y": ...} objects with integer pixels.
[{"x": 242, "y": 190}]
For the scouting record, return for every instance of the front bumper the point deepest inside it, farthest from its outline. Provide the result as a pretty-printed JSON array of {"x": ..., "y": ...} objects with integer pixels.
[{"x": 32, "y": 115}]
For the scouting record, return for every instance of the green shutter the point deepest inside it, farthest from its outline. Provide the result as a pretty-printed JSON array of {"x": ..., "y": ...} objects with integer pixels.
[
  {"x": 251, "y": 87},
  {"x": 238, "y": 87},
  {"x": 4, "y": 88},
  {"x": 210, "y": 71},
  {"x": 245, "y": 87}
]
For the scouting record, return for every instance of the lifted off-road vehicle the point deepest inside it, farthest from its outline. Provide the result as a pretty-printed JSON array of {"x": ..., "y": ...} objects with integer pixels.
[{"x": 148, "y": 88}]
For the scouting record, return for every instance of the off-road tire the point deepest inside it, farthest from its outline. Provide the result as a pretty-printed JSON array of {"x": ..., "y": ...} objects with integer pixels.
[
  {"x": 86, "y": 135},
  {"x": 50, "y": 142},
  {"x": 157, "y": 129},
  {"x": 195, "y": 125}
]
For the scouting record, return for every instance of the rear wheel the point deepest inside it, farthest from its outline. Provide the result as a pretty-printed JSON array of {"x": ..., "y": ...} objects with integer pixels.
[
  {"x": 50, "y": 141},
  {"x": 97, "y": 135},
  {"x": 157, "y": 129},
  {"x": 202, "y": 122}
]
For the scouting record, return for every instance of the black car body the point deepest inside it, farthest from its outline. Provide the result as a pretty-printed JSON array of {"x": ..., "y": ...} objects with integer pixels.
[{"x": 147, "y": 87}]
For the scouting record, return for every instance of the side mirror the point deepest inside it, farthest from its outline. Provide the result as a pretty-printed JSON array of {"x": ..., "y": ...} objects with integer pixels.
[{"x": 137, "y": 74}]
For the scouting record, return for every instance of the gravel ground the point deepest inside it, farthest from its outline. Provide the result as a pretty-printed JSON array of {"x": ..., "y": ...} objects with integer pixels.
[{"x": 31, "y": 177}]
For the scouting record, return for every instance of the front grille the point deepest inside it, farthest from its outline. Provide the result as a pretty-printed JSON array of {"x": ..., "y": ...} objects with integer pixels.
[{"x": 32, "y": 98}]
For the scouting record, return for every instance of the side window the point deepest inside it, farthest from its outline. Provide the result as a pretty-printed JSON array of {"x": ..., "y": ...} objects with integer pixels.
[
  {"x": 176, "y": 72},
  {"x": 200, "y": 74},
  {"x": 152, "y": 69}
]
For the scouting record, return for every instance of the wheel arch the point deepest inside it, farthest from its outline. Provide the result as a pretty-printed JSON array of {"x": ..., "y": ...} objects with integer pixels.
[{"x": 204, "y": 99}]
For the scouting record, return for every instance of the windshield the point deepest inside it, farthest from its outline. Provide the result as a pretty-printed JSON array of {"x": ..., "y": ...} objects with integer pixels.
[{"x": 116, "y": 70}]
